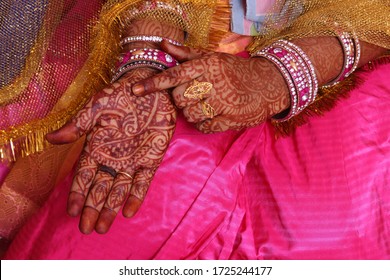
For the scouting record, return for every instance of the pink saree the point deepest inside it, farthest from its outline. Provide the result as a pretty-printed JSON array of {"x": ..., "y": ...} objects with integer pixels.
[{"x": 320, "y": 193}]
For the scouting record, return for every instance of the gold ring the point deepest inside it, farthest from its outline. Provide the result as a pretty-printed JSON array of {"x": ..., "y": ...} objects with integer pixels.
[
  {"x": 208, "y": 110},
  {"x": 198, "y": 89},
  {"x": 125, "y": 174}
]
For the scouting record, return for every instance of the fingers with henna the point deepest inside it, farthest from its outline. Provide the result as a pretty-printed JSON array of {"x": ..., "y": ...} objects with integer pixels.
[
  {"x": 194, "y": 113},
  {"x": 117, "y": 197},
  {"x": 182, "y": 53},
  {"x": 170, "y": 78},
  {"x": 95, "y": 201},
  {"x": 141, "y": 183},
  {"x": 82, "y": 182},
  {"x": 216, "y": 124}
]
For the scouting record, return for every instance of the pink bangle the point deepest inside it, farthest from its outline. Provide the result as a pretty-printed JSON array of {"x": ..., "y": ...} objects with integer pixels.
[
  {"x": 147, "y": 38},
  {"x": 309, "y": 73},
  {"x": 351, "y": 51},
  {"x": 298, "y": 72},
  {"x": 137, "y": 58},
  {"x": 154, "y": 55}
]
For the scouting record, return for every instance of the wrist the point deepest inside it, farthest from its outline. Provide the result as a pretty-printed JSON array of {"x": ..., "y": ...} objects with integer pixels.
[
  {"x": 141, "y": 46},
  {"x": 275, "y": 90},
  {"x": 326, "y": 55},
  {"x": 298, "y": 72}
]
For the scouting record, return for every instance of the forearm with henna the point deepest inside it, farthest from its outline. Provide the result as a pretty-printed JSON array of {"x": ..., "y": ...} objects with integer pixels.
[{"x": 327, "y": 56}]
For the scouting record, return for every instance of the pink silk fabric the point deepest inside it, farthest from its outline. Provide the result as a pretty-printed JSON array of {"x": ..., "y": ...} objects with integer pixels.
[{"x": 321, "y": 193}]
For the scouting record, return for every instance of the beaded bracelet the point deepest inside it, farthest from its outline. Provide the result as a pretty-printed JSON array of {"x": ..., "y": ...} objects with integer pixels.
[
  {"x": 147, "y": 38},
  {"x": 137, "y": 58},
  {"x": 298, "y": 72},
  {"x": 351, "y": 51}
]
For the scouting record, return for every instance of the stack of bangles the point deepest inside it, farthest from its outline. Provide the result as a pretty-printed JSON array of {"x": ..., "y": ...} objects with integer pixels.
[
  {"x": 299, "y": 73},
  {"x": 351, "y": 50},
  {"x": 136, "y": 58},
  {"x": 297, "y": 70}
]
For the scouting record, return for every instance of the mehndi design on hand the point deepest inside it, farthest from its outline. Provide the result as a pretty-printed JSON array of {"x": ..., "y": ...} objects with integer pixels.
[
  {"x": 127, "y": 133},
  {"x": 242, "y": 93}
]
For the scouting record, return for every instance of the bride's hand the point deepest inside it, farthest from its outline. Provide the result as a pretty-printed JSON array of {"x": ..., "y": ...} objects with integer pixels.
[
  {"x": 127, "y": 137},
  {"x": 219, "y": 91}
]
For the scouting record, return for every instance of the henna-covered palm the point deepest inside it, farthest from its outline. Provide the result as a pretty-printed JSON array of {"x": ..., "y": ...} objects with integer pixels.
[
  {"x": 126, "y": 133},
  {"x": 245, "y": 91}
]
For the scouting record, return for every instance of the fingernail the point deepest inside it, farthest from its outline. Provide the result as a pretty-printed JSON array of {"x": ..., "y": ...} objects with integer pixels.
[
  {"x": 105, "y": 221},
  {"x": 74, "y": 210},
  {"x": 138, "y": 89},
  {"x": 131, "y": 207},
  {"x": 88, "y": 220}
]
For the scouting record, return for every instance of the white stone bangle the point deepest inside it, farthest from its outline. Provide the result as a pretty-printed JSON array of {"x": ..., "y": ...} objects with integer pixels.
[
  {"x": 309, "y": 70},
  {"x": 351, "y": 52},
  {"x": 147, "y": 38}
]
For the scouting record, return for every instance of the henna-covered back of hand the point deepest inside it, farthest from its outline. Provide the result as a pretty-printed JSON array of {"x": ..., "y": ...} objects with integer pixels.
[
  {"x": 244, "y": 92},
  {"x": 127, "y": 137}
]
